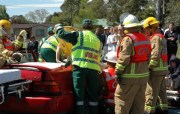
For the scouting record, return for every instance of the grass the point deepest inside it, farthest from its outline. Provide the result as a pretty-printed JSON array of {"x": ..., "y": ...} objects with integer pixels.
[{"x": 178, "y": 52}]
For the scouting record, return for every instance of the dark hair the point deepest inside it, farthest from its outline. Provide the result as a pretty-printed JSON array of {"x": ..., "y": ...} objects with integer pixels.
[
  {"x": 32, "y": 36},
  {"x": 88, "y": 26},
  {"x": 111, "y": 64},
  {"x": 51, "y": 33},
  {"x": 171, "y": 23}
]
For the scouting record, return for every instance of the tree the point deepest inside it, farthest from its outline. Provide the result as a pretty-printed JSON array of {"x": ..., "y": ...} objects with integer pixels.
[
  {"x": 70, "y": 8},
  {"x": 19, "y": 19},
  {"x": 37, "y": 16},
  {"x": 172, "y": 13},
  {"x": 3, "y": 13}
]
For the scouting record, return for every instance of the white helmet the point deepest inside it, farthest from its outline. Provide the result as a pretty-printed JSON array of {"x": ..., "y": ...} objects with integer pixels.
[
  {"x": 129, "y": 20},
  {"x": 111, "y": 57}
]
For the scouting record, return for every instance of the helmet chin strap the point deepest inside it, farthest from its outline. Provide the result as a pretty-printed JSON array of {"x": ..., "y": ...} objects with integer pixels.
[{"x": 150, "y": 29}]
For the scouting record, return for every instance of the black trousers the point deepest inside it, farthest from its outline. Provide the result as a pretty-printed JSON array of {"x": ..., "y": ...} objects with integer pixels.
[{"x": 172, "y": 50}]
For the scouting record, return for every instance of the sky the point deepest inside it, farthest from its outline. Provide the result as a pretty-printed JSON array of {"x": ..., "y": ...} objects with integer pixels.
[{"x": 22, "y": 7}]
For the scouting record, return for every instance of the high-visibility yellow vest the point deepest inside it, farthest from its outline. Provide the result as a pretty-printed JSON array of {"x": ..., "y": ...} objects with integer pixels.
[
  {"x": 51, "y": 43},
  {"x": 86, "y": 52}
]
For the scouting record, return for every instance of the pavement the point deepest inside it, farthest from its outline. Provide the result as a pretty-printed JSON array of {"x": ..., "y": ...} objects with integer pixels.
[
  {"x": 171, "y": 111},
  {"x": 174, "y": 111}
]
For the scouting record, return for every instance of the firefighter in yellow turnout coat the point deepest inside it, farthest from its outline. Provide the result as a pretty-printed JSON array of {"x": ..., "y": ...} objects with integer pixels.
[
  {"x": 7, "y": 47},
  {"x": 158, "y": 67},
  {"x": 131, "y": 68}
]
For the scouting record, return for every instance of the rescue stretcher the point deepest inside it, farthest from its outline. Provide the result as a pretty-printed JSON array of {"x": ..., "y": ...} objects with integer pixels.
[
  {"x": 11, "y": 83},
  {"x": 173, "y": 95}
]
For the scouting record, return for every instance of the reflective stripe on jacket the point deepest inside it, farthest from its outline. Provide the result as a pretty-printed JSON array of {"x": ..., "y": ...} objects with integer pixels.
[
  {"x": 142, "y": 47},
  {"x": 51, "y": 43},
  {"x": 133, "y": 56},
  {"x": 111, "y": 84},
  {"x": 164, "y": 55},
  {"x": 86, "y": 52},
  {"x": 158, "y": 61}
]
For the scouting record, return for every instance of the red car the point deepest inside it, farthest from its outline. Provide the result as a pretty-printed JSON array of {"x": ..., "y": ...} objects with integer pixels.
[{"x": 50, "y": 92}]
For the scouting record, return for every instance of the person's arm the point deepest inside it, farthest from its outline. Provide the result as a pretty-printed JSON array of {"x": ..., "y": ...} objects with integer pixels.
[
  {"x": 70, "y": 37},
  {"x": 58, "y": 53},
  {"x": 114, "y": 40},
  {"x": 155, "y": 53},
  {"x": 108, "y": 40},
  {"x": 166, "y": 35},
  {"x": 18, "y": 43},
  {"x": 125, "y": 54},
  {"x": 36, "y": 46},
  {"x": 29, "y": 46}
]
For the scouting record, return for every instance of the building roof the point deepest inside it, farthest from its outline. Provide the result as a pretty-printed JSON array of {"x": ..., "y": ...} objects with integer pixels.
[{"x": 24, "y": 26}]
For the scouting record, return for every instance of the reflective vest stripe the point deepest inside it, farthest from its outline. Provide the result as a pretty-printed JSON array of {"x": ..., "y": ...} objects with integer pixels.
[
  {"x": 110, "y": 101},
  {"x": 142, "y": 47},
  {"x": 161, "y": 67},
  {"x": 86, "y": 60},
  {"x": 108, "y": 77},
  {"x": 86, "y": 48},
  {"x": 81, "y": 46},
  {"x": 120, "y": 67},
  {"x": 141, "y": 43},
  {"x": 51, "y": 43},
  {"x": 19, "y": 43},
  {"x": 154, "y": 63},
  {"x": 163, "y": 106},
  {"x": 80, "y": 103},
  {"x": 5, "y": 53},
  {"x": 84, "y": 56},
  {"x": 136, "y": 75},
  {"x": 93, "y": 103},
  {"x": 150, "y": 107},
  {"x": 53, "y": 46}
]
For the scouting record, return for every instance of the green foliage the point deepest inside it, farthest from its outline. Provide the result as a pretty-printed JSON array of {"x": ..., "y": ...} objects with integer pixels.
[
  {"x": 172, "y": 12},
  {"x": 3, "y": 13},
  {"x": 74, "y": 11},
  {"x": 19, "y": 19}
]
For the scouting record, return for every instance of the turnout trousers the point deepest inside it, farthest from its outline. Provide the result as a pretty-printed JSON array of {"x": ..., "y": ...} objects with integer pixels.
[
  {"x": 130, "y": 98},
  {"x": 156, "y": 87}
]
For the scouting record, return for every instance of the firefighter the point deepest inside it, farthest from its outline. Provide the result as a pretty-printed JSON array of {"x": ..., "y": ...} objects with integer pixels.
[
  {"x": 158, "y": 67},
  {"x": 50, "y": 33},
  {"x": 86, "y": 65},
  {"x": 131, "y": 71},
  {"x": 108, "y": 73},
  {"x": 6, "y": 46}
]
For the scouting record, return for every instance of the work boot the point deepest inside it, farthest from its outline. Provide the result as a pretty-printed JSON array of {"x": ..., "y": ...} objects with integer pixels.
[
  {"x": 149, "y": 113},
  {"x": 158, "y": 111}
]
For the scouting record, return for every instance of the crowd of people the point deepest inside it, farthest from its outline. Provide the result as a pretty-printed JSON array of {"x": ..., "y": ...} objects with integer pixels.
[{"x": 137, "y": 56}]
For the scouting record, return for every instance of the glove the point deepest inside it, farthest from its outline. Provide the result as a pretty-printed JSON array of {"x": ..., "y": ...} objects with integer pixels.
[
  {"x": 68, "y": 64},
  {"x": 57, "y": 27},
  {"x": 118, "y": 74},
  {"x": 17, "y": 57},
  {"x": 23, "y": 33}
]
